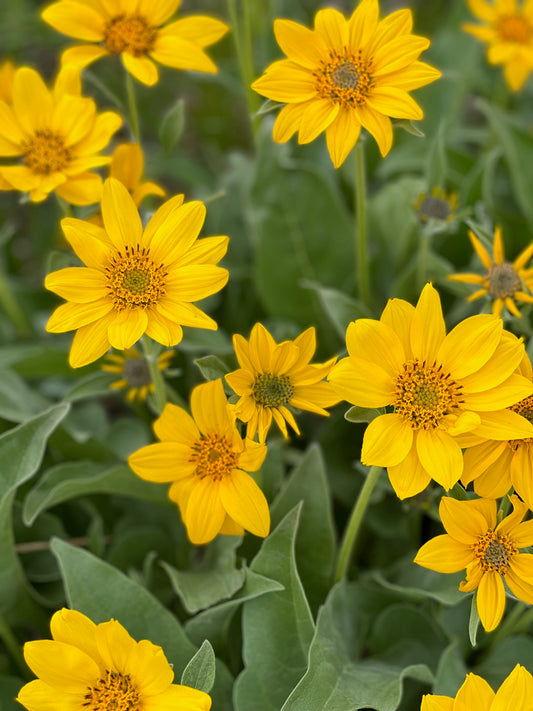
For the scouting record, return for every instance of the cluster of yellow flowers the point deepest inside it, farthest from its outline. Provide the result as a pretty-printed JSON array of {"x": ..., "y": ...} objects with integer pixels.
[{"x": 460, "y": 404}]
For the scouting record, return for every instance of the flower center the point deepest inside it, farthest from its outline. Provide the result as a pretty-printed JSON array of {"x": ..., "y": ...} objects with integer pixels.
[
  {"x": 344, "y": 79},
  {"x": 214, "y": 457},
  {"x": 493, "y": 552},
  {"x": 503, "y": 281},
  {"x": 129, "y": 33},
  {"x": 137, "y": 372},
  {"x": 525, "y": 408},
  {"x": 434, "y": 207},
  {"x": 272, "y": 390},
  {"x": 513, "y": 28},
  {"x": 115, "y": 692},
  {"x": 134, "y": 280},
  {"x": 46, "y": 153},
  {"x": 424, "y": 394}
]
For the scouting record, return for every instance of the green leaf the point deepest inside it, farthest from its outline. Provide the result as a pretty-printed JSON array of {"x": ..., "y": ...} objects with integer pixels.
[
  {"x": 277, "y": 628},
  {"x": 214, "y": 622},
  {"x": 473, "y": 624},
  {"x": 362, "y": 414},
  {"x": 451, "y": 671},
  {"x": 340, "y": 308},
  {"x": 417, "y": 583},
  {"x": 212, "y": 367},
  {"x": 437, "y": 164},
  {"x": 315, "y": 540},
  {"x": 200, "y": 671},
  {"x": 18, "y": 402},
  {"x": 336, "y": 680},
  {"x": 96, "y": 383},
  {"x": 73, "y": 479},
  {"x": 172, "y": 125},
  {"x": 215, "y": 579},
  {"x": 21, "y": 452},
  {"x": 500, "y": 659}
]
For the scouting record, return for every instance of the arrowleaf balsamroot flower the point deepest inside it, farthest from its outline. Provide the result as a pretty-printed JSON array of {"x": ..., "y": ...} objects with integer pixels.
[
  {"x": 495, "y": 465},
  {"x": 439, "y": 385},
  {"x": 127, "y": 165},
  {"x": 206, "y": 460},
  {"x": 135, "y": 371},
  {"x": 134, "y": 30},
  {"x": 274, "y": 376},
  {"x": 135, "y": 281},
  {"x": 504, "y": 282},
  {"x": 488, "y": 550},
  {"x": 344, "y": 74},
  {"x": 508, "y": 32},
  {"x": 88, "y": 667},
  {"x": 516, "y": 693},
  {"x": 58, "y": 136}
]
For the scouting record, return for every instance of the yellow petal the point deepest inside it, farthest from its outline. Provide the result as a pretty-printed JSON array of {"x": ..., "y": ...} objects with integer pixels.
[
  {"x": 332, "y": 26},
  {"x": 142, "y": 68},
  {"x": 401, "y": 51},
  {"x": 198, "y": 29},
  {"x": 515, "y": 692},
  {"x": 394, "y": 102},
  {"x": 479, "y": 457},
  {"x": 503, "y": 425},
  {"x": 90, "y": 242},
  {"x": 515, "y": 388},
  {"x": 470, "y": 344},
  {"x": 363, "y": 24},
  {"x": 436, "y": 703},
  {"x": 180, "y": 53},
  {"x": 299, "y": 43},
  {"x": 245, "y": 503},
  {"x": 441, "y": 456},
  {"x": 195, "y": 282},
  {"x": 521, "y": 471},
  {"x": 317, "y": 117},
  {"x": 32, "y": 102},
  {"x": 362, "y": 383},
  {"x": 287, "y": 82},
  {"x": 90, "y": 342},
  {"x": 81, "y": 56},
  {"x": 210, "y": 409},
  {"x": 444, "y": 555},
  {"x": 428, "y": 330},
  {"x": 474, "y": 693},
  {"x": 82, "y": 189},
  {"x": 173, "y": 236},
  {"x": 61, "y": 665},
  {"x": 288, "y": 121},
  {"x": 176, "y": 425},
  {"x": 490, "y": 600},
  {"x": 409, "y": 477},
  {"x": 342, "y": 135},
  {"x": 376, "y": 342},
  {"x": 157, "y": 12},
  {"x": 387, "y": 441},
  {"x": 70, "y": 316},
  {"x": 77, "y": 284},
  {"x": 162, "y": 462},
  {"x": 205, "y": 513},
  {"x": 72, "y": 627},
  {"x": 466, "y": 521},
  {"x": 163, "y": 330},
  {"x": 127, "y": 164},
  {"x": 378, "y": 126},
  {"x": 398, "y": 315},
  {"x": 127, "y": 327},
  {"x": 75, "y": 20},
  {"x": 104, "y": 127},
  {"x": 504, "y": 361},
  {"x": 120, "y": 215}
]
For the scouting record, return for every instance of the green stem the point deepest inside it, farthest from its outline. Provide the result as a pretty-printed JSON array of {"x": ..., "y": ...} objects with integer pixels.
[
  {"x": 423, "y": 258},
  {"x": 132, "y": 106},
  {"x": 361, "y": 223},
  {"x": 354, "y": 524},
  {"x": 243, "y": 41},
  {"x": 12, "y": 309},
  {"x": 13, "y": 647},
  {"x": 151, "y": 353}
]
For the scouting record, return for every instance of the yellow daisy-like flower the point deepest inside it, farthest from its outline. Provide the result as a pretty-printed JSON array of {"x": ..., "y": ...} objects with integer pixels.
[
  {"x": 135, "y": 372},
  {"x": 504, "y": 282},
  {"x": 88, "y": 667},
  {"x": 508, "y": 31},
  {"x": 494, "y": 465},
  {"x": 344, "y": 74},
  {"x": 135, "y": 281},
  {"x": 206, "y": 460},
  {"x": 133, "y": 30},
  {"x": 274, "y": 376},
  {"x": 516, "y": 693},
  {"x": 127, "y": 165},
  {"x": 57, "y": 134},
  {"x": 438, "y": 206},
  {"x": 487, "y": 549},
  {"x": 439, "y": 385}
]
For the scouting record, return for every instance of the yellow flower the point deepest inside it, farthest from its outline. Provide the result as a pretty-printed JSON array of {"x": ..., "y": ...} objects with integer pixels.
[
  {"x": 438, "y": 205},
  {"x": 206, "y": 460},
  {"x": 127, "y": 165},
  {"x": 58, "y": 136},
  {"x": 439, "y": 385},
  {"x": 134, "y": 31},
  {"x": 504, "y": 282},
  {"x": 475, "y": 694},
  {"x": 135, "y": 281},
  {"x": 133, "y": 367},
  {"x": 495, "y": 465},
  {"x": 508, "y": 31},
  {"x": 91, "y": 667},
  {"x": 7, "y": 74},
  {"x": 274, "y": 376},
  {"x": 344, "y": 74},
  {"x": 487, "y": 549}
]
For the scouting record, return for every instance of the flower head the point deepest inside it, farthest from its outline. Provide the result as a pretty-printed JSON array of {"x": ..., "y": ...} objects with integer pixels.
[
  {"x": 206, "y": 460},
  {"x": 135, "y": 372},
  {"x": 439, "y": 385},
  {"x": 475, "y": 694},
  {"x": 274, "y": 376},
  {"x": 135, "y": 281},
  {"x": 135, "y": 31},
  {"x": 92, "y": 667},
  {"x": 508, "y": 31},
  {"x": 488, "y": 550},
  {"x": 437, "y": 206},
  {"x": 504, "y": 282},
  {"x": 58, "y": 136},
  {"x": 495, "y": 465},
  {"x": 344, "y": 74}
]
